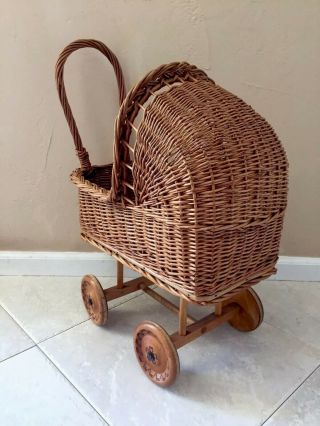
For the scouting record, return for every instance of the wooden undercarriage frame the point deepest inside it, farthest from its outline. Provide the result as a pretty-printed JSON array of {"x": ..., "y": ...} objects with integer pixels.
[{"x": 156, "y": 351}]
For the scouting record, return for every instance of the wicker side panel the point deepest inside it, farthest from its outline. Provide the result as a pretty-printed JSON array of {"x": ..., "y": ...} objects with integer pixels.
[
  {"x": 206, "y": 265},
  {"x": 165, "y": 250},
  {"x": 201, "y": 264},
  {"x": 237, "y": 257}
]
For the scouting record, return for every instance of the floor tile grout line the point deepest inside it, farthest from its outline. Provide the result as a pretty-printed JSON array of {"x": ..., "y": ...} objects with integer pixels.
[
  {"x": 62, "y": 331},
  {"x": 36, "y": 343},
  {"x": 72, "y": 384},
  {"x": 82, "y": 322},
  {"x": 19, "y": 353},
  {"x": 291, "y": 394},
  {"x": 19, "y": 325}
]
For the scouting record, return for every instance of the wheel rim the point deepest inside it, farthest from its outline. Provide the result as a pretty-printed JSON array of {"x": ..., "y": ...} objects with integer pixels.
[
  {"x": 156, "y": 354},
  {"x": 250, "y": 314},
  {"x": 94, "y": 299}
]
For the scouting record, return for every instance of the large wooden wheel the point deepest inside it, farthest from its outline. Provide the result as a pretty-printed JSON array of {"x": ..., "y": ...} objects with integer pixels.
[
  {"x": 94, "y": 299},
  {"x": 250, "y": 314},
  {"x": 156, "y": 353}
]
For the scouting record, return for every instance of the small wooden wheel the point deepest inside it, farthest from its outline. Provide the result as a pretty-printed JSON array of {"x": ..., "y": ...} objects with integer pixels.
[
  {"x": 156, "y": 353},
  {"x": 250, "y": 315},
  {"x": 94, "y": 299}
]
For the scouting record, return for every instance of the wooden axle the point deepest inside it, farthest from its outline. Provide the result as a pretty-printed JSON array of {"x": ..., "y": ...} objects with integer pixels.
[
  {"x": 208, "y": 323},
  {"x": 141, "y": 283},
  {"x": 131, "y": 286},
  {"x": 165, "y": 302}
]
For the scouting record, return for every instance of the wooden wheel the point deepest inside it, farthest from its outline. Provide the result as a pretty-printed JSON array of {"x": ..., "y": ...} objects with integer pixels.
[
  {"x": 156, "y": 353},
  {"x": 250, "y": 315},
  {"x": 94, "y": 299}
]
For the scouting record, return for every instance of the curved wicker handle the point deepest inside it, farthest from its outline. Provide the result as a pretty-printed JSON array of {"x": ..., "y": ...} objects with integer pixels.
[{"x": 72, "y": 47}]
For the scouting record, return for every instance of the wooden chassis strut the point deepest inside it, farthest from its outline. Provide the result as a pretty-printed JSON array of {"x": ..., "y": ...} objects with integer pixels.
[
  {"x": 131, "y": 286},
  {"x": 202, "y": 326},
  {"x": 189, "y": 328}
]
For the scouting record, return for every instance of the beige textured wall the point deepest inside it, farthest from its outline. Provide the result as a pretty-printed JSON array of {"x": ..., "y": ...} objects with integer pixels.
[{"x": 265, "y": 51}]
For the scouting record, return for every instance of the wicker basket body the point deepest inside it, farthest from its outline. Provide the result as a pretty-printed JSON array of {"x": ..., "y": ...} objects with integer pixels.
[{"x": 196, "y": 195}]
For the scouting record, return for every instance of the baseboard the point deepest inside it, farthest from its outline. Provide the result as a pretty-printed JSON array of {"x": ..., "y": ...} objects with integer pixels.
[
  {"x": 81, "y": 263},
  {"x": 66, "y": 264},
  {"x": 291, "y": 268}
]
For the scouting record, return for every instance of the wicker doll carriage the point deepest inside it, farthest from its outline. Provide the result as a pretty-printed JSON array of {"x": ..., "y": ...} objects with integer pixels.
[{"x": 194, "y": 202}]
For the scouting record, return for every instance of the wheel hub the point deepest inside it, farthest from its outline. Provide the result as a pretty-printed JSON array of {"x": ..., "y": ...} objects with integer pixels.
[
  {"x": 156, "y": 353},
  {"x": 94, "y": 299},
  {"x": 151, "y": 356}
]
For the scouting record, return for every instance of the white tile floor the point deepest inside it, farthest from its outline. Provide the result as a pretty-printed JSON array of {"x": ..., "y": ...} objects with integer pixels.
[{"x": 57, "y": 368}]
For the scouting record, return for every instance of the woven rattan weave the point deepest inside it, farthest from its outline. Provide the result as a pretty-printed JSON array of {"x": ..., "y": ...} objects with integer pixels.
[{"x": 196, "y": 195}]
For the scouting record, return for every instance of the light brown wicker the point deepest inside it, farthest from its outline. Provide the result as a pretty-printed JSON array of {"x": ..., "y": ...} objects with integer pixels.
[{"x": 196, "y": 195}]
